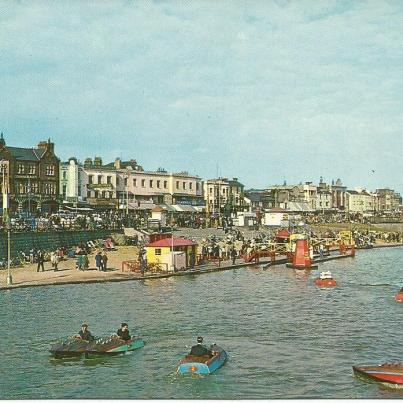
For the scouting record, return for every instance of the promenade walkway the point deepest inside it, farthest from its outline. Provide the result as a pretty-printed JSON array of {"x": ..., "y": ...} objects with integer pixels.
[{"x": 67, "y": 273}]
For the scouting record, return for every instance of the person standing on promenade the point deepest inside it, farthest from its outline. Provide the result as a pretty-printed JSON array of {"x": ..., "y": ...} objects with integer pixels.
[
  {"x": 233, "y": 255},
  {"x": 104, "y": 261},
  {"x": 98, "y": 261},
  {"x": 54, "y": 258},
  {"x": 40, "y": 261}
]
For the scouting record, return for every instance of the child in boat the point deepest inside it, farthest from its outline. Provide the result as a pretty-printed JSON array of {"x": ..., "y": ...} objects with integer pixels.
[{"x": 199, "y": 349}]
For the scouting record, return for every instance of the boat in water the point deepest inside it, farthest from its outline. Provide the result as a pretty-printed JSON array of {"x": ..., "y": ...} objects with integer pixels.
[
  {"x": 205, "y": 364},
  {"x": 389, "y": 375},
  {"x": 399, "y": 296},
  {"x": 325, "y": 279},
  {"x": 76, "y": 347}
]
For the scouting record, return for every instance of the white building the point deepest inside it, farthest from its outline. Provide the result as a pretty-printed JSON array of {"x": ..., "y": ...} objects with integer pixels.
[{"x": 360, "y": 201}]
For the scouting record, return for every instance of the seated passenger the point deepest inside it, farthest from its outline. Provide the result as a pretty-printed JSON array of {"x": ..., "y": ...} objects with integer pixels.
[
  {"x": 85, "y": 334},
  {"x": 123, "y": 332},
  {"x": 199, "y": 349}
]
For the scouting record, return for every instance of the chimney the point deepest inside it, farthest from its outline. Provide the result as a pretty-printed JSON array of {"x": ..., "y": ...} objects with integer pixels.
[
  {"x": 88, "y": 163},
  {"x": 97, "y": 161},
  {"x": 47, "y": 145},
  {"x": 118, "y": 163}
]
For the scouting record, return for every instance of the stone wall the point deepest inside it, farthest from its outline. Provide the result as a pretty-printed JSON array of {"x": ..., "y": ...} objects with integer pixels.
[{"x": 24, "y": 241}]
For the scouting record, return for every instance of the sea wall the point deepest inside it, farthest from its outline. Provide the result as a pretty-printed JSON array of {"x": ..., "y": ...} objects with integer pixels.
[{"x": 24, "y": 241}]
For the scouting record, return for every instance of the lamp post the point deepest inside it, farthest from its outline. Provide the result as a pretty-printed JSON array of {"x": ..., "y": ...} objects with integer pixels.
[
  {"x": 6, "y": 216},
  {"x": 127, "y": 193}
]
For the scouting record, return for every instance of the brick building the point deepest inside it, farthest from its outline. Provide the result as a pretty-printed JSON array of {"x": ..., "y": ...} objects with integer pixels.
[{"x": 31, "y": 176}]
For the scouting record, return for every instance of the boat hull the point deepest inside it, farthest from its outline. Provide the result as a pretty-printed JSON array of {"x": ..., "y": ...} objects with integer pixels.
[
  {"x": 389, "y": 375},
  {"x": 75, "y": 347},
  {"x": 311, "y": 267},
  {"x": 329, "y": 282},
  {"x": 205, "y": 365}
]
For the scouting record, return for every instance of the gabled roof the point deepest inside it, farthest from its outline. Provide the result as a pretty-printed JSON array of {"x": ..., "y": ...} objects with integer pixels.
[
  {"x": 167, "y": 242},
  {"x": 26, "y": 154}
]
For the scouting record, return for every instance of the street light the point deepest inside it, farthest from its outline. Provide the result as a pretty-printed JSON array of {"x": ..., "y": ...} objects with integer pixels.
[
  {"x": 6, "y": 215},
  {"x": 127, "y": 193}
]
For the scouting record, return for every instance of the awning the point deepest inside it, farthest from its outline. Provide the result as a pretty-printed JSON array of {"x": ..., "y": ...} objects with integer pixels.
[
  {"x": 82, "y": 209},
  {"x": 300, "y": 207},
  {"x": 167, "y": 207},
  {"x": 184, "y": 208}
]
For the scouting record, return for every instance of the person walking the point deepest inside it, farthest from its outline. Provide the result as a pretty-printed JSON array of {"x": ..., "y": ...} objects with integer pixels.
[
  {"x": 98, "y": 261},
  {"x": 40, "y": 260},
  {"x": 104, "y": 261},
  {"x": 54, "y": 258}
]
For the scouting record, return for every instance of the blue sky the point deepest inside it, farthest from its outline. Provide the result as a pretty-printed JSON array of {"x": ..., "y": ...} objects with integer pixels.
[{"x": 263, "y": 90}]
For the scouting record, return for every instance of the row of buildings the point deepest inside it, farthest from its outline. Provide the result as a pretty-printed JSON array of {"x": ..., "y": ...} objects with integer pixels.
[
  {"x": 334, "y": 197},
  {"x": 36, "y": 179}
]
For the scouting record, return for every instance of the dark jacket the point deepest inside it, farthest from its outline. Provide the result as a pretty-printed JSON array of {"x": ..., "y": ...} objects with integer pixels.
[
  {"x": 86, "y": 335},
  {"x": 124, "y": 334},
  {"x": 198, "y": 350}
]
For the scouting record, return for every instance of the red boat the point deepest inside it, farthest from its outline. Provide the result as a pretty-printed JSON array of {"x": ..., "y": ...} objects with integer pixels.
[
  {"x": 389, "y": 375},
  {"x": 399, "y": 296},
  {"x": 325, "y": 279}
]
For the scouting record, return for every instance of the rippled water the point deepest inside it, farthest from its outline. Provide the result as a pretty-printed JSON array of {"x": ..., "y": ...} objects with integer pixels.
[{"x": 285, "y": 337}]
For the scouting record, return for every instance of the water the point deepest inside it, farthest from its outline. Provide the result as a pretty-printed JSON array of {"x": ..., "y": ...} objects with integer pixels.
[{"x": 285, "y": 337}]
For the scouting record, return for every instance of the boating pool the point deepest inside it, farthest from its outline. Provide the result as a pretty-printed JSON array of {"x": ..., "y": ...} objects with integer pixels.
[{"x": 285, "y": 337}]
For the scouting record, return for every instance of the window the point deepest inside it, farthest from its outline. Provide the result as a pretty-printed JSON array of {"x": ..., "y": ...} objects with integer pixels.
[
  {"x": 64, "y": 191},
  {"x": 177, "y": 184},
  {"x": 158, "y": 184},
  {"x": 135, "y": 182},
  {"x": 165, "y": 184},
  {"x": 184, "y": 185},
  {"x": 197, "y": 186},
  {"x": 99, "y": 179},
  {"x": 49, "y": 170},
  {"x": 109, "y": 180},
  {"x": 143, "y": 183},
  {"x": 64, "y": 175},
  {"x": 211, "y": 190},
  {"x": 20, "y": 168},
  {"x": 126, "y": 180},
  {"x": 151, "y": 183},
  {"x": 90, "y": 180},
  {"x": 191, "y": 185},
  {"x": 88, "y": 193},
  {"x": 32, "y": 169},
  {"x": 117, "y": 181},
  {"x": 157, "y": 252}
]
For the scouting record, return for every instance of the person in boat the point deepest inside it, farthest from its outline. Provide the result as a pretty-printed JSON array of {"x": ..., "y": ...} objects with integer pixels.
[
  {"x": 85, "y": 334},
  {"x": 123, "y": 332},
  {"x": 199, "y": 349}
]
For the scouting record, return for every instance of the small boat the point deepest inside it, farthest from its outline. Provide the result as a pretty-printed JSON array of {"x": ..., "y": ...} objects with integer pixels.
[
  {"x": 71, "y": 347},
  {"x": 389, "y": 375},
  {"x": 298, "y": 267},
  {"x": 399, "y": 296},
  {"x": 204, "y": 364},
  {"x": 114, "y": 345},
  {"x": 76, "y": 347},
  {"x": 325, "y": 279}
]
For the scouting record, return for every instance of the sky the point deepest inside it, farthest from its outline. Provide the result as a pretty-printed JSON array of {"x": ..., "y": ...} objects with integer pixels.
[{"x": 266, "y": 91}]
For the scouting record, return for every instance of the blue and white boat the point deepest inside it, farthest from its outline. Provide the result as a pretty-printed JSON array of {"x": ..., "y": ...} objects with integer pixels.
[{"x": 205, "y": 364}]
